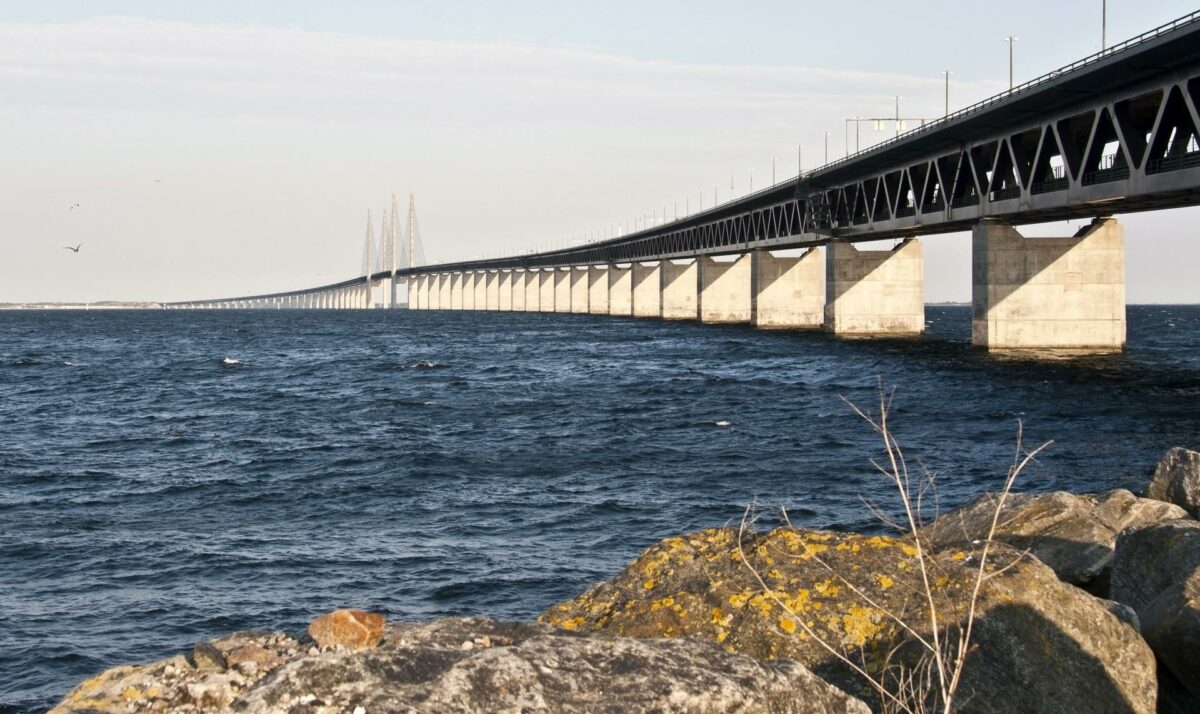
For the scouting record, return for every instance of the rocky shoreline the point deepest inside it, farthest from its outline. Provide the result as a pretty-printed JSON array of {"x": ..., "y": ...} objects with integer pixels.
[{"x": 1087, "y": 603}]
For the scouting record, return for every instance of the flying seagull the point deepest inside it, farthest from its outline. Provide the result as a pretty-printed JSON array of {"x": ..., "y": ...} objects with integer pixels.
[{"x": 73, "y": 250}]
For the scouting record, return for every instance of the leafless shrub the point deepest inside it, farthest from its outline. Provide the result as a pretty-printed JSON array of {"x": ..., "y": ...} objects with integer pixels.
[{"x": 928, "y": 675}]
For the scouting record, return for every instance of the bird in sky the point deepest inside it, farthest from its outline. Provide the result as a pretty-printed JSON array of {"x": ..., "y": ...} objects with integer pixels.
[
  {"x": 73, "y": 207},
  {"x": 73, "y": 250}
]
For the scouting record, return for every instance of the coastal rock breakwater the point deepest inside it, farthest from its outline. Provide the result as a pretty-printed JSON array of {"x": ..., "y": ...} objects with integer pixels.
[{"x": 1087, "y": 603}]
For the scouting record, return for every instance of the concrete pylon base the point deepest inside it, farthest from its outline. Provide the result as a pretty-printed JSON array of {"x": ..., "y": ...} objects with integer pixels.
[
  {"x": 620, "y": 290},
  {"x": 788, "y": 292},
  {"x": 1049, "y": 294},
  {"x": 724, "y": 289},
  {"x": 680, "y": 291},
  {"x": 647, "y": 290},
  {"x": 875, "y": 293},
  {"x": 598, "y": 290},
  {"x": 579, "y": 290},
  {"x": 562, "y": 290}
]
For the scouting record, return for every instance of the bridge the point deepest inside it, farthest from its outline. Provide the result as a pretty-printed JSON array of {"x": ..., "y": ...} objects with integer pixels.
[{"x": 1115, "y": 132}]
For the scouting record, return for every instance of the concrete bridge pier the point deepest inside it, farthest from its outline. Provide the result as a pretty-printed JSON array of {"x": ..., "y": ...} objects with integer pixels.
[
  {"x": 724, "y": 289},
  {"x": 546, "y": 290},
  {"x": 597, "y": 277},
  {"x": 647, "y": 290},
  {"x": 520, "y": 289},
  {"x": 468, "y": 290},
  {"x": 391, "y": 291},
  {"x": 504, "y": 295},
  {"x": 533, "y": 290},
  {"x": 445, "y": 288},
  {"x": 875, "y": 292},
  {"x": 680, "y": 290},
  {"x": 491, "y": 290},
  {"x": 788, "y": 292},
  {"x": 579, "y": 289},
  {"x": 562, "y": 290},
  {"x": 456, "y": 291},
  {"x": 620, "y": 290},
  {"x": 1063, "y": 294}
]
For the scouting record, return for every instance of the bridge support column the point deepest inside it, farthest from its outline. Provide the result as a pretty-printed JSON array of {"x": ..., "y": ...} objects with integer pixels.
[
  {"x": 647, "y": 290},
  {"x": 468, "y": 291},
  {"x": 597, "y": 277},
  {"x": 445, "y": 285},
  {"x": 533, "y": 290},
  {"x": 415, "y": 284},
  {"x": 520, "y": 289},
  {"x": 391, "y": 291},
  {"x": 680, "y": 291},
  {"x": 546, "y": 290},
  {"x": 562, "y": 290},
  {"x": 456, "y": 291},
  {"x": 491, "y": 290},
  {"x": 504, "y": 298},
  {"x": 1048, "y": 293},
  {"x": 788, "y": 292},
  {"x": 480, "y": 301},
  {"x": 579, "y": 289},
  {"x": 724, "y": 292},
  {"x": 875, "y": 292},
  {"x": 620, "y": 290}
]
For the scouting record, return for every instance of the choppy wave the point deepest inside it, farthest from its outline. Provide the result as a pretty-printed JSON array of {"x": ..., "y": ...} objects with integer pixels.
[{"x": 150, "y": 500}]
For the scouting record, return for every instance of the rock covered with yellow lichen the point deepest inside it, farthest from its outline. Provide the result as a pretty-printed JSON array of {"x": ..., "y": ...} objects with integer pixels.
[{"x": 1039, "y": 645}]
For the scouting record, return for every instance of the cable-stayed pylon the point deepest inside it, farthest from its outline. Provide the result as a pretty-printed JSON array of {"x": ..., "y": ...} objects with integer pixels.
[
  {"x": 366, "y": 256},
  {"x": 416, "y": 251},
  {"x": 393, "y": 260}
]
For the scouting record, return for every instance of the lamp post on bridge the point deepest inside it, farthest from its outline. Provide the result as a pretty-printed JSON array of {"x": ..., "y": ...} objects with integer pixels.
[
  {"x": 1010, "y": 40},
  {"x": 946, "y": 73}
]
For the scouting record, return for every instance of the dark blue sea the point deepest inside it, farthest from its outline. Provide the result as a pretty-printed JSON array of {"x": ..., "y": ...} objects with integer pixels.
[{"x": 153, "y": 493}]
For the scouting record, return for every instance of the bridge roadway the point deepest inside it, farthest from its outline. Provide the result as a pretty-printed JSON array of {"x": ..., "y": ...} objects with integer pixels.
[{"x": 1115, "y": 132}]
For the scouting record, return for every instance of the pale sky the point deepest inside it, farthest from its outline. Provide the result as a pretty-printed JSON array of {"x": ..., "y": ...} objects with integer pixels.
[{"x": 222, "y": 148}]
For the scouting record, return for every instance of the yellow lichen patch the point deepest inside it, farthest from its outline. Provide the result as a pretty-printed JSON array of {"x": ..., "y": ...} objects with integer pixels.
[
  {"x": 764, "y": 603},
  {"x": 880, "y": 541},
  {"x": 860, "y": 624},
  {"x": 152, "y": 692},
  {"x": 722, "y": 635},
  {"x": 827, "y": 588},
  {"x": 131, "y": 693},
  {"x": 959, "y": 555},
  {"x": 787, "y": 624},
  {"x": 571, "y": 624},
  {"x": 909, "y": 550},
  {"x": 649, "y": 584},
  {"x": 720, "y": 619},
  {"x": 739, "y": 599},
  {"x": 884, "y": 581},
  {"x": 659, "y": 604}
]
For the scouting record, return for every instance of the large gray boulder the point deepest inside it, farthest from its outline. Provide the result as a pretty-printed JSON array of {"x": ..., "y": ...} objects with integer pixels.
[
  {"x": 1177, "y": 480},
  {"x": 477, "y": 665},
  {"x": 1074, "y": 535},
  {"x": 1156, "y": 571}
]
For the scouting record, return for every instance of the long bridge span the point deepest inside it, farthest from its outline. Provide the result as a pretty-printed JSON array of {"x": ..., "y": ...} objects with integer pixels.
[{"x": 1115, "y": 132}]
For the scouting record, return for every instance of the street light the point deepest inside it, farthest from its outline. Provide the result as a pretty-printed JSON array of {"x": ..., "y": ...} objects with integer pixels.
[
  {"x": 826, "y": 148},
  {"x": 946, "y": 73},
  {"x": 1103, "y": 25},
  {"x": 898, "y": 125},
  {"x": 1011, "y": 40}
]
